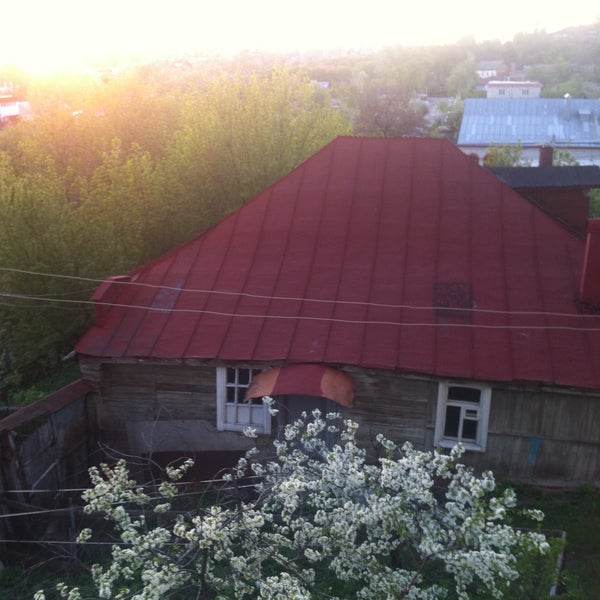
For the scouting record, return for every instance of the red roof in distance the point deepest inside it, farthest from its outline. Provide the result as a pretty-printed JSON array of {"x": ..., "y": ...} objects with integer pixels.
[{"x": 399, "y": 254}]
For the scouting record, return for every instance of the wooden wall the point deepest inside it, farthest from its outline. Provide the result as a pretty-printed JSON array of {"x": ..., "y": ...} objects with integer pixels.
[
  {"x": 549, "y": 437},
  {"x": 160, "y": 412},
  {"x": 399, "y": 408},
  {"x": 537, "y": 436},
  {"x": 543, "y": 436}
]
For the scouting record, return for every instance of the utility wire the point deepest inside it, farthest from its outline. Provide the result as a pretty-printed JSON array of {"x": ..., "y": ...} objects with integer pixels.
[
  {"x": 72, "y": 542},
  {"x": 327, "y": 319},
  {"x": 337, "y": 320},
  {"x": 205, "y": 482},
  {"x": 269, "y": 298}
]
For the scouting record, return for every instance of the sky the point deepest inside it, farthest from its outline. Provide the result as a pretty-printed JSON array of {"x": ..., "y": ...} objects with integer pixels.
[{"x": 44, "y": 35}]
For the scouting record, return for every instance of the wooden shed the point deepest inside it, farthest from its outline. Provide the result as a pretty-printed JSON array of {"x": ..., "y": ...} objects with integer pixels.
[{"x": 393, "y": 280}]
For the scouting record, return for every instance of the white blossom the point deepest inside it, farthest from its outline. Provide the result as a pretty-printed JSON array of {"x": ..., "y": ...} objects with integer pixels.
[{"x": 320, "y": 513}]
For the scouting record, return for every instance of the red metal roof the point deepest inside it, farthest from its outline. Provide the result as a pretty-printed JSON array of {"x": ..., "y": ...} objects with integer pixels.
[{"x": 400, "y": 254}]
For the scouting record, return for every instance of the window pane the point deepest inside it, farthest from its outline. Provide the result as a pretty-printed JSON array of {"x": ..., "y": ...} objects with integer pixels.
[
  {"x": 231, "y": 394},
  {"x": 466, "y": 394},
  {"x": 243, "y": 377},
  {"x": 469, "y": 430},
  {"x": 230, "y": 375},
  {"x": 452, "y": 421}
]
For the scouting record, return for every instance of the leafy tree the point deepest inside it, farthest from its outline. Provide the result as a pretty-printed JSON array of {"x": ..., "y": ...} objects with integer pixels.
[
  {"x": 123, "y": 210},
  {"x": 242, "y": 133},
  {"x": 126, "y": 177},
  {"x": 386, "y": 111},
  {"x": 505, "y": 156},
  {"x": 563, "y": 158},
  {"x": 448, "y": 120},
  {"x": 595, "y": 204},
  {"x": 463, "y": 78},
  {"x": 40, "y": 317},
  {"x": 323, "y": 522}
]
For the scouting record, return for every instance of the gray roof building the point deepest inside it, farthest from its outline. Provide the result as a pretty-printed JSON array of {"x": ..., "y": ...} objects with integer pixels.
[{"x": 568, "y": 124}]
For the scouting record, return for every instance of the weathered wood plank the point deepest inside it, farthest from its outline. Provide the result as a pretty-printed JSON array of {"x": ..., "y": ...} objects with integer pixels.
[{"x": 534, "y": 434}]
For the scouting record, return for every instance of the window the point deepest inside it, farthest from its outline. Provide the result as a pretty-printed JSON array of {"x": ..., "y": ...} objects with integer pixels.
[
  {"x": 233, "y": 412},
  {"x": 462, "y": 416}
]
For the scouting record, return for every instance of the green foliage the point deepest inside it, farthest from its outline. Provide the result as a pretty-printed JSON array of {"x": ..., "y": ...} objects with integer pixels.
[
  {"x": 242, "y": 133},
  {"x": 537, "y": 574},
  {"x": 39, "y": 317},
  {"x": 505, "y": 156},
  {"x": 448, "y": 120},
  {"x": 385, "y": 110},
  {"x": 18, "y": 393},
  {"x": 577, "y": 512},
  {"x": 563, "y": 158},
  {"x": 463, "y": 78},
  {"x": 595, "y": 204},
  {"x": 113, "y": 174}
]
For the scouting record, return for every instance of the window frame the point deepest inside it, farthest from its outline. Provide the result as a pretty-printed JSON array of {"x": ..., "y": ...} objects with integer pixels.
[
  {"x": 480, "y": 443},
  {"x": 239, "y": 415}
]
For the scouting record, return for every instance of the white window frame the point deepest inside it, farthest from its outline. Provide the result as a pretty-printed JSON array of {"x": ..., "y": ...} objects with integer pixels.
[
  {"x": 482, "y": 410},
  {"x": 239, "y": 415}
]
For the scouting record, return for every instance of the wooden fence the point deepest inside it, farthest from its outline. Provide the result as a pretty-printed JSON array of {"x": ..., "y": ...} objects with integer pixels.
[{"x": 45, "y": 451}]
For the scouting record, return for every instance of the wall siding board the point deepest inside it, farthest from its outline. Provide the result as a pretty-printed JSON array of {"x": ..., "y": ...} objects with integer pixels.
[
  {"x": 395, "y": 407},
  {"x": 535, "y": 435}
]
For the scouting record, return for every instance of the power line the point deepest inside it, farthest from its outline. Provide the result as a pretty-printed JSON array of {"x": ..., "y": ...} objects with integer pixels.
[
  {"x": 28, "y": 513},
  {"x": 421, "y": 324},
  {"x": 206, "y": 482},
  {"x": 273, "y": 298},
  {"x": 74, "y": 542}
]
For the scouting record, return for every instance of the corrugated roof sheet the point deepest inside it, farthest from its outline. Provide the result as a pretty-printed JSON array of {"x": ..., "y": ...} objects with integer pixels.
[
  {"x": 531, "y": 121},
  {"x": 399, "y": 254}
]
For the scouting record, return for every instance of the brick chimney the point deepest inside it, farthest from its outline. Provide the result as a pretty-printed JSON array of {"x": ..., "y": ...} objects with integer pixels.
[
  {"x": 590, "y": 279},
  {"x": 546, "y": 157}
]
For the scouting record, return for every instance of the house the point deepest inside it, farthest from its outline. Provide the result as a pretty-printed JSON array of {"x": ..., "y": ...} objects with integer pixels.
[
  {"x": 12, "y": 108},
  {"x": 492, "y": 69},
  {"x": 513, "y": 89},
  {"x": 570, "y": 124},
  {"x": 393, "y": 280}
]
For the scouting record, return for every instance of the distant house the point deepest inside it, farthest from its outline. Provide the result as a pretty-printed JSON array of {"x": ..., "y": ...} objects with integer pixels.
[
  {"x": 569, "y": 124},
  {"x": 492, "y": 69},
  {"x": 12, "y": 109},
  {"x": 513, "y": 89},
  {"x": 393, "y": 280}
]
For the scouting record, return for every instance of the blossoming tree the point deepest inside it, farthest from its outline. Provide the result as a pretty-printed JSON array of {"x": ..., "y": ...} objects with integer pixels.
[{"x": 324, "y": 521}]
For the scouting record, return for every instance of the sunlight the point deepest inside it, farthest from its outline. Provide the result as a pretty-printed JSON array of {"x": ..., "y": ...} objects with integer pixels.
[{"x": 70, "y": 34}]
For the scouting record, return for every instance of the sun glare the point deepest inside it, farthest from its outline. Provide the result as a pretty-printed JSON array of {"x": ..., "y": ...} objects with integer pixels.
[{"x": 68, "y": 34}]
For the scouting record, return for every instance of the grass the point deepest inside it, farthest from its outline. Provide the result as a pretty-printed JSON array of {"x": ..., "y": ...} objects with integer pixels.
[{"x": 576, "y": 512}]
